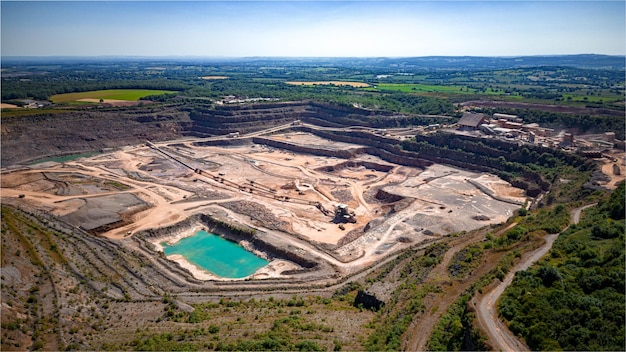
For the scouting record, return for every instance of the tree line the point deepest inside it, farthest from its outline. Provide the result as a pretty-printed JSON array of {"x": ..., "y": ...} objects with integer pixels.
[{"x": 574, "y": 300}]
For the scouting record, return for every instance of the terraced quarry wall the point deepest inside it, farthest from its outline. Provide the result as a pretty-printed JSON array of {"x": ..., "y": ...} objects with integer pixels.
[
  {"x": 35, "y": 137},
  {"x": 39, "y": 136}
]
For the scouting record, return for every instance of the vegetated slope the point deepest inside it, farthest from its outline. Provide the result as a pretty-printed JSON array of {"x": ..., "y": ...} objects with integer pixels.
[
  {"x": 403, "y": 282},
  {"x": 574, "y": 299},
  {"x": 265, "y": 323},
  {"x": 476, "y": 266},
  {"x": 62, "y": 288}
]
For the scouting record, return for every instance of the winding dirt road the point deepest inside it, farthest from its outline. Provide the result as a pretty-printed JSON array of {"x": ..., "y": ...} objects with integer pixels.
[
  {"x": 501, "y": 338},
  {"x": 422, "y": 326}
]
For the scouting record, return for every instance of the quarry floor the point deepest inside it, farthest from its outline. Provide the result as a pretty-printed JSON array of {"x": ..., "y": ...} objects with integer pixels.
[{"x": 290, "y": 195}]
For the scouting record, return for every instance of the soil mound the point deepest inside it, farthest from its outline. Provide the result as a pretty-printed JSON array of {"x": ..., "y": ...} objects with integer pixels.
[{"x": 386, "y": 197}]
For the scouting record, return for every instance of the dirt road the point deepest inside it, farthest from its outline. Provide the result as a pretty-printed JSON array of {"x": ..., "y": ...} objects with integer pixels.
[
  {"x": 501, "y": 337},
  {"x": 421, "y": 327}
]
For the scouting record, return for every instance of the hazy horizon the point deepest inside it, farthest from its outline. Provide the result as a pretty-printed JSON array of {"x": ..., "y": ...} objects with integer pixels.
[
  {"x": 198, "y": 57},
  {"x": 311, "y": 29}
]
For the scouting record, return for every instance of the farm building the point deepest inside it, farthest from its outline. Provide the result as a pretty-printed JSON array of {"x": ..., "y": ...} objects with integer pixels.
[{"x": 470, "y": 121}]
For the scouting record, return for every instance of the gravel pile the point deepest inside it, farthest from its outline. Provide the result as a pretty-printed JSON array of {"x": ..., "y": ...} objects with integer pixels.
[
  {"x": 342, "y": 195},
  {"x": 258, "y": 212}
]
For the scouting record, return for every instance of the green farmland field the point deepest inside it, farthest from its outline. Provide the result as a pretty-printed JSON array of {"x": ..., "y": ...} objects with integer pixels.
[
  {"x": 427, "y": 88},
  {"x": 113, "y": 94}
]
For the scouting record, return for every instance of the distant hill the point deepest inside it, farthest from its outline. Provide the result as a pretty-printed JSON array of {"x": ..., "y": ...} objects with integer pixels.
[{"x": 587, "y": 61}]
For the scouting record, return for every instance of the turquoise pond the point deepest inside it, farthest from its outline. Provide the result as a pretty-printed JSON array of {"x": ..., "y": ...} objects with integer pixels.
[{"x": 217, "y": 255}]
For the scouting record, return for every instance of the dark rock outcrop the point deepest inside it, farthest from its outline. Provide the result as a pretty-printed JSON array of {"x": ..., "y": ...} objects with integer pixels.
[
  {"x": 39, "y": 136},
  {"x": 368, "y": 300}
]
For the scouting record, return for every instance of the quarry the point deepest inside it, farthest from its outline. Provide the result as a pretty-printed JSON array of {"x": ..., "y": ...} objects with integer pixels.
[
  {"x": 317, "y": 209},
  {"x": 311, "y": 204},
  {"x": 165, "y": 223}
]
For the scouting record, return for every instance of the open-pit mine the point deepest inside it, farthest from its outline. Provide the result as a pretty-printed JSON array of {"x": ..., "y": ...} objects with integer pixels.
[
  {"x": 318, "y": 210},
  {"x": 140, "y": 221},
  {"x": 312, "y": 204}
]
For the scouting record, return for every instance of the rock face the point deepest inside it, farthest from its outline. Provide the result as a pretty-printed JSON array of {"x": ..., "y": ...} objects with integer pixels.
[
  {"x": 368, "y": 300},
  {"x": 39, "y": 136},
  {"x": 62, "y": 133},
  {"x": 91, "y": 130},
  {"x": 344, "y": 154}
]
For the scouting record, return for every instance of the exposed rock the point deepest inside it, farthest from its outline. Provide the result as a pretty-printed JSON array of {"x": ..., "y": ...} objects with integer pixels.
[
  {"x": 368, "y": 301},
  {"x": 39, "y": 136},
  {"x": 387, "y": 197},
  {"x": 258, "y": 212},
  {"x": 356, "y": 164},
  {"x": 481, "y": 217},
  {"x": 341, "y": 153},
  {"x": 375, "y": 296},
  {"x": 373, "y": 223},
  {"x": 350, "y": 236},
  {"x": 342, "y": 195}
]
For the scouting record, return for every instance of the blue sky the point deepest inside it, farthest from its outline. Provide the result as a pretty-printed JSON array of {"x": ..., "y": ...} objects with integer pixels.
[{"x": 311, "y": 28}]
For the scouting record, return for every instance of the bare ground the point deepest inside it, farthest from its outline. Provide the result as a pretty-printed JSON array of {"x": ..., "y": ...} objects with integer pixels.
[
  {"x": 112, "y": 268},
  {"x": 270, "y": 189}
]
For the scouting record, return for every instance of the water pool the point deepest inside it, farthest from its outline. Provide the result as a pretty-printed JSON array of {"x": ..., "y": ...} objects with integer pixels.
[{"x": 217, "y": 255}]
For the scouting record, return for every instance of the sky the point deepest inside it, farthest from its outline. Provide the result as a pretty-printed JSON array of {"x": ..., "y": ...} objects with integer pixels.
[{"x": 312, "y": 28}]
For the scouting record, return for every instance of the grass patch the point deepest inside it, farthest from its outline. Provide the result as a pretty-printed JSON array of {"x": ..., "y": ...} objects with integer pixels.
[
  {"x": 114, "y": 94},
  {"x": 604, "y": 97}
]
